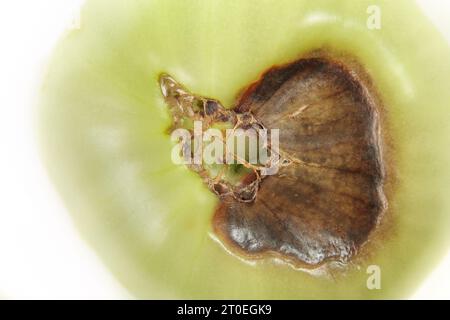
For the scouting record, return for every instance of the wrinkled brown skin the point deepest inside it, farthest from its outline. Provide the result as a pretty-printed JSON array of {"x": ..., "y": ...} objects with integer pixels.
[{"x": 324, "y": 205}]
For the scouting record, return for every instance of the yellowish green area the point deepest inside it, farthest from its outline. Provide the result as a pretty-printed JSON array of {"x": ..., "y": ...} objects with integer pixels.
[{"x": 103, "y": 128}]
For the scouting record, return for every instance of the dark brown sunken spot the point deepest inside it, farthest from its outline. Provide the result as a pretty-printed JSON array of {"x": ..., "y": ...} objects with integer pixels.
[{"x": 324, "y": 204}]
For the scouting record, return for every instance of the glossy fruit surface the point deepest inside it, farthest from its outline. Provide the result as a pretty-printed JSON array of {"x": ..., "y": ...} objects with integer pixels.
[{"x": 104, "y": 131}]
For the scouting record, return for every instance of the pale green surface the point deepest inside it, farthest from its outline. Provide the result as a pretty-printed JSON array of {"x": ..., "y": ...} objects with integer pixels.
[{"x": 103, "y": 122}]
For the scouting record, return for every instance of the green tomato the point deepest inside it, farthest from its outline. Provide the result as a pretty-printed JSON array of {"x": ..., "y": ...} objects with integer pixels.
[{"x": 104, "y": 134}]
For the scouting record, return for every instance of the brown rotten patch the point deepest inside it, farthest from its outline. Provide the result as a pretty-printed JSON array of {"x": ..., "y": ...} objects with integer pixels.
[{"x": 327, "y": 196}]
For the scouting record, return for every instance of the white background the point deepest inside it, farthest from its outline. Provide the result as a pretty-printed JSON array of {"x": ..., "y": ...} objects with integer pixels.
[{"x": 41, "y": 253}]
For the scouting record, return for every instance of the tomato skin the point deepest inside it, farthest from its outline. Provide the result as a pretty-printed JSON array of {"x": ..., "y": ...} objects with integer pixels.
[{"x": 103, "y": 128}]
